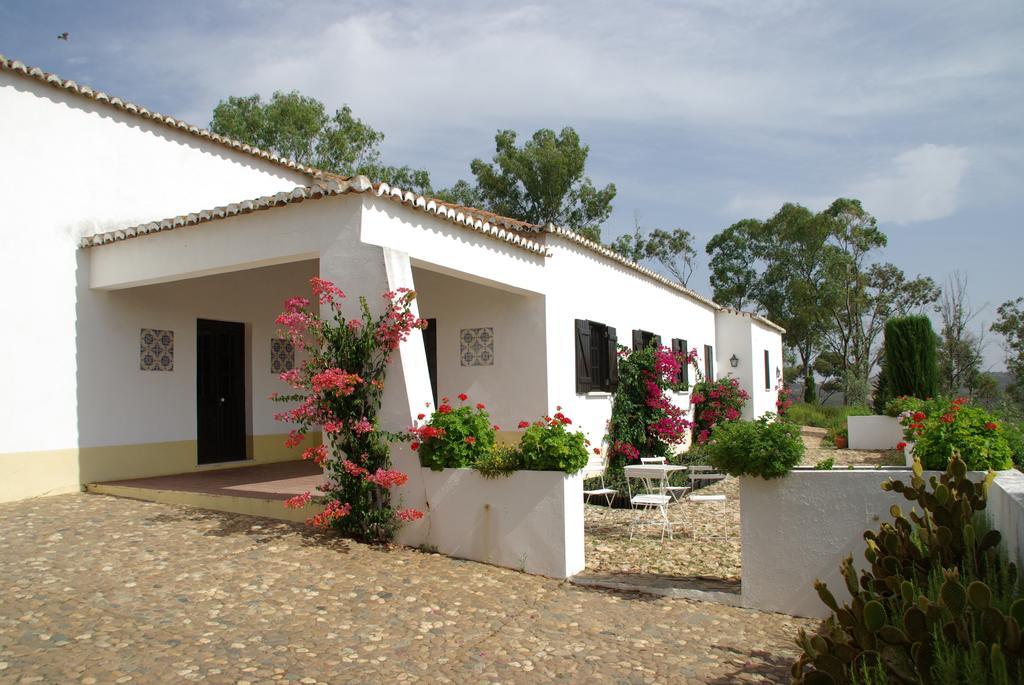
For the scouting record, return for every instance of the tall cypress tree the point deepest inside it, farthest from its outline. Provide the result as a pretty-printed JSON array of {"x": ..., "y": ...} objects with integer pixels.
[{"x": 910, "y": 365}]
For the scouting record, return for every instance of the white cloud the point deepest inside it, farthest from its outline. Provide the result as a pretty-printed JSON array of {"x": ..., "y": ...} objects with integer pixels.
[{"x": 921, "y": 184}]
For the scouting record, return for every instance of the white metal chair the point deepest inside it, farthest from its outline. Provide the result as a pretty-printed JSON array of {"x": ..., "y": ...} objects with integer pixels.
[
  {"x": 595, "y": 469},
  {"x": 651, "y": 495},
  {"x": 677, "y": 492},
  {"x": 701, "y": 475}
]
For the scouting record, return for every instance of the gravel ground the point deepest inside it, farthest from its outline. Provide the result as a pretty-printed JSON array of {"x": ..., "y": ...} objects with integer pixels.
[
  {"x": 817, "y": 448},
  {"x": 97, "y": 589},
  {"x": 705, "y": 543}
]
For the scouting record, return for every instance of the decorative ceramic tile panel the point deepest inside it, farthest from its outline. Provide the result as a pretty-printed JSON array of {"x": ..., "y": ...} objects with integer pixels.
[
  {"x": 282, "y": 355},
  {"x": 156, "y": 350},
  {"x": 476, "y": 346}
]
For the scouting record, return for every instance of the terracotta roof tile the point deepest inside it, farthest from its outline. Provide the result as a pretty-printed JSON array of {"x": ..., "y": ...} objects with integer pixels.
[
  {"x": 99, "y": 96},
  {"x": 337, "y": 185}
]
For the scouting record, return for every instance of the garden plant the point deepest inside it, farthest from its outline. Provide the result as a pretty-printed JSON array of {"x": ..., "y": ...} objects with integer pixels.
[
  {"x": 338, "y": 388},
  {"x": 939, "y": 602}
]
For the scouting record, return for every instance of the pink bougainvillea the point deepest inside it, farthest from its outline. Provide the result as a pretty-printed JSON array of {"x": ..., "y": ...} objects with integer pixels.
[{"x": 339, "y": 385}]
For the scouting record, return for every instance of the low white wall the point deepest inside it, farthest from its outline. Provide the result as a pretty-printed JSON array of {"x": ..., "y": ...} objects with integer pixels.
[
  {"x": 874, "y": 432},
  {"x": 799, "y": 528},
  {"x": 531, "y": 520}
]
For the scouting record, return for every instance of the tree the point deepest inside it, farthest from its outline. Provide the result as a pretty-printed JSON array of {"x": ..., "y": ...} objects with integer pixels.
[
  {"x": 733, "y": 276},
  {"x": 960, "y": 350},
  {"x": 541, "y": 182},
  {"x": 298, "y": 127},
  {"x": 673, "y": 250},
  {"x": 909, "y": 365},
  {"x": 1010, "y": 325}
]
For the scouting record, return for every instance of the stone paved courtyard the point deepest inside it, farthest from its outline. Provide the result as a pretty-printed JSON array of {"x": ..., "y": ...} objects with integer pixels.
[{"x": 96, "y": 589}]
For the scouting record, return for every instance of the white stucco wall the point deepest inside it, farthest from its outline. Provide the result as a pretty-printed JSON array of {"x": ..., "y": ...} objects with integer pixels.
[
  {"x": 799, "y": 528},
  {"x": 748, "y": 338},
  {"x": 584, "y": 285},
  {"x": 71, "y": 166},
  {"x": 514, "y": 387},
  {"x": 874, "y": 432}
]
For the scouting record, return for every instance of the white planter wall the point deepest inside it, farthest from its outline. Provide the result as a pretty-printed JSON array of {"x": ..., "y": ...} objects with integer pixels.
[
  {"x": 799, "y": 528},
  {"x": 530, "y": 521},
  {"x": 874, "y": 432}
]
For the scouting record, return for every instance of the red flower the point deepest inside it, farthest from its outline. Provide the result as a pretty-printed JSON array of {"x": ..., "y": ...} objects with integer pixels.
[
  {"x": 480, "y": 405},
  {"x": 496, "y": 427},
  {"x": 470, "y": 440},
  {"x": 420, "y": 417},
  {"x": 415, "y": 446},
  {"x": 991, "y": 425},
  {"x": 524, "y": 424},
  {"x": 463, "y": 396},
  {"x": 901, "y": 446},
  {"x": 920, "y": 416},
  {"x": 948, "y": 418},
  {"x": 597, "y": 451},
  {"x": 445, "y": 409}
]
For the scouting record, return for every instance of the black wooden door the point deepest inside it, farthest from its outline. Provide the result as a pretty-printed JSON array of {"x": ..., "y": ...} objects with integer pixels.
[
  {"x": 220, "y": 390},
  {"x": 430, "y": 345}
]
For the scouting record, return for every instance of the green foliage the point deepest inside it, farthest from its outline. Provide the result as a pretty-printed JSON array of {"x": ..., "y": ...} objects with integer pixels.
[
  {"x": 939, "y": 603},
  {"x": 502, "y": 460},
  {"x": 909, "y": 365},
  {"x": 765, "y": 448},
  {"x": 543, "y": 181},
  {"x": 298, "y": 127},
  {"x": 715, "y": 402},
  {"x": 631, "y": 415},
  {"x": 825, "y": 464},
  {"x": 822, "y": 416},
  {"x": 812, "y": 273},
  {"x": 465, "y": 435},
  {"x": 961, "y": 429},
  {"x": 903, "y": 403},
  {"x": 1010, "y": 325},
  {"x": 549, "y": 446},
  {"x": 673, "y": 250}
]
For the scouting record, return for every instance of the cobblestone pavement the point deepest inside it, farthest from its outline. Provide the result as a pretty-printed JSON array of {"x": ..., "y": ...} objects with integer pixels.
[
  {"x": 705, "y": 542},
  {"x": 96, "y": 589}
]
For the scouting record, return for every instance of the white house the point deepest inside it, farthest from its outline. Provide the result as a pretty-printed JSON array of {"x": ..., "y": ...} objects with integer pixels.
[{"x": 143, "y": 261}]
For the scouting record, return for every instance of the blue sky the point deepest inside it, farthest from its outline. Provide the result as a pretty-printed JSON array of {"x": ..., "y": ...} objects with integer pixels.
[{"x": 701, "y": 113}]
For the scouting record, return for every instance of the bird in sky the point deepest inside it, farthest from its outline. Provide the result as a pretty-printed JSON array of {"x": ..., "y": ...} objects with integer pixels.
[{"x": 62, "y": 36}]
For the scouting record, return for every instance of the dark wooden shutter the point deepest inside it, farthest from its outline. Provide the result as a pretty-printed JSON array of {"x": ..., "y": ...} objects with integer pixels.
[
  {"x": 613, "y": 360},
  {"x": 657, "y": 340},
  {"x": 684, "y": 372},
  {"x": 638, "y": 340},
  {"x": 709, "y": 363},
  {"x": 584, "y": 362},
  {"x": 767, "y": 371},
  {"x": 679, "y": 350}
]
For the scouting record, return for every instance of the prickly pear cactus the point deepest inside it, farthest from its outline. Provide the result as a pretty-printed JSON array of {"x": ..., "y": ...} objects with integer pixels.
[{"x": 911, "y": 615}]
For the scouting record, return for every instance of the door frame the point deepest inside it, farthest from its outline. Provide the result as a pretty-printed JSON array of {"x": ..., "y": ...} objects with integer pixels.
[{"x": 240, "y": 383}]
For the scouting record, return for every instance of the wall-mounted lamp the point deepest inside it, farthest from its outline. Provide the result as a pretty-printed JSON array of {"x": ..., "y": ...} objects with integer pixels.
[{"x": 734, "y": 361}]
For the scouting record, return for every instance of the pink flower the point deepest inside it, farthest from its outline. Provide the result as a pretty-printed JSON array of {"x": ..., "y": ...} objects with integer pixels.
[
  {"x": 353, "y": 469},
  {"x": 294, "y": 439},
  {"x": 333, "y": 510},
  {"x": 318, "y": 454},
  {"x": 409, "y": 515},
  {"x": 325, "y": 290},
  {"x": 386, "y": 478},
  {"x": 337, "y": 380},
  {"x": 362, "y": 426},
  {"x": 354, "y": 325},
  {"x": 298, "y": 501}
]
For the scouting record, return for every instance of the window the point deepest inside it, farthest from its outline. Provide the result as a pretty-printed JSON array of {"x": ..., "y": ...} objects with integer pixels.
[
  {"x": 679, "y": 348},
  {"x": 709, "y": 363},
  {"x": 767, "y": 371},
  {"x": 641, "y": 340},
  {"x": 597, "y": 357}
]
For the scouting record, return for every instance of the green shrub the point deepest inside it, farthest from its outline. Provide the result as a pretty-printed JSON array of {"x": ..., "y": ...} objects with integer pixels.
[
  {"x": 939, "y": 601},
  {"x": 902, "y": 404},
  {"x": 765, "y": 447},
  {"x": 825, "y": 464},
  {"x": 548, "y": 446},
  {"x": 909, "y": 364},
  {"x": 455, "y": 437},
  {"x": 502, "y": 460},
  {"x": 822, "y": 416},
  {"x": 955, "y": 427}
]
